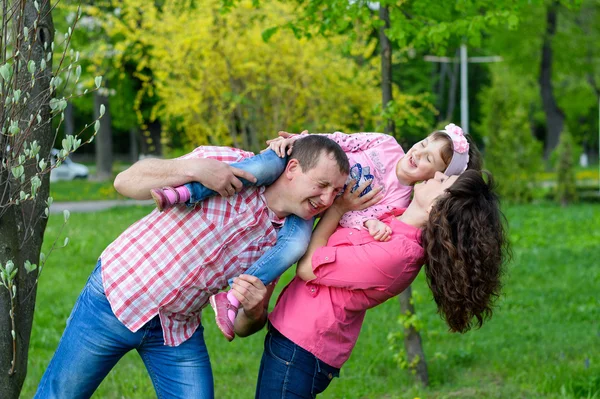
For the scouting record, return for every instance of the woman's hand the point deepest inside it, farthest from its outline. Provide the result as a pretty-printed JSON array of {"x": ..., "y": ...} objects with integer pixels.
[
  {"x": 351, "y": 201},
  {"x": 378, "y": 230}
]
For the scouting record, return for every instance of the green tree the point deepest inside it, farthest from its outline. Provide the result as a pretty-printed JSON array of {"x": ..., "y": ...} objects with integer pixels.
[
  {"x": 566, "y": 191},
  {"x": 30, "y": 98},
  {"x": 513, "y": 154}
]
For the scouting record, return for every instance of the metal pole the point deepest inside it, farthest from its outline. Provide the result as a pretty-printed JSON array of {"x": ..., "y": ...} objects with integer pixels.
[{"x": 464, "y": 94}]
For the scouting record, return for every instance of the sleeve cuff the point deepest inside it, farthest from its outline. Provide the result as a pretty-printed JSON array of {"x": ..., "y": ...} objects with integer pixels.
[{"x": 322, "y": 256}]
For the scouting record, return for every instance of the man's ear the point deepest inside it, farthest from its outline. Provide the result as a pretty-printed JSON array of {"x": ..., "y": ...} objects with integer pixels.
[{"x": 292, "y": 168}]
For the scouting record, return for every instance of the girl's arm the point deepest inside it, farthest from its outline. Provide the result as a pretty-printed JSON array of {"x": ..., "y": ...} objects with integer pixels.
[
  {"x": 329, "y": 222},
  {"x": 354, "y": 142}
]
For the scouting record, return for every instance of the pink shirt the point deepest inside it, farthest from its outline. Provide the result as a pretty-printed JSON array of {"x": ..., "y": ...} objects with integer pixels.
[
  {"x": 354, "y": 273},
  {"x": 375, "y": 154},
  {"x": 169, "y": 263}
]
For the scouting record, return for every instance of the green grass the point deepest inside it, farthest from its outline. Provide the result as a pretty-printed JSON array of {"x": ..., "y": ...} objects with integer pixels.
[{"x": 543, "y": 341}]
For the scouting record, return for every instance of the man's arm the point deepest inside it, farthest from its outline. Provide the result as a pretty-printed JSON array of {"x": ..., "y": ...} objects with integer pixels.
[
  {"x": 254, "y": 297},
  {"x": 137, "y": 181}
]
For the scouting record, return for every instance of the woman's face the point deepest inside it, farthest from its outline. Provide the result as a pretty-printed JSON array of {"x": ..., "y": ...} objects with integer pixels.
[
  {"x": 423, "y": 160},
  {"x": 427, "y": 191}
]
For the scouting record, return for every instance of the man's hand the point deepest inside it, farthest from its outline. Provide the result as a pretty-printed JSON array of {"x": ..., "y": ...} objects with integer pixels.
[
  {"x": 378, "y": 230},
  {"x": 219, "y": 176},
  {"x": 251, "y": 292},
  {"x": 254, "y": 297}
]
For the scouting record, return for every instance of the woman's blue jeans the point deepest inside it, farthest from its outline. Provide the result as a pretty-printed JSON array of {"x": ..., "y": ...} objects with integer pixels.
[
  {"x": 288, "y": 371},
  {"x": 94, "y": 341},
  {"x": 292, "y": 238}
]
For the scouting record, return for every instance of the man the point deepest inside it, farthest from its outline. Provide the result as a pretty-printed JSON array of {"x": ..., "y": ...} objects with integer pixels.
[{"x": 150, "y": 285}]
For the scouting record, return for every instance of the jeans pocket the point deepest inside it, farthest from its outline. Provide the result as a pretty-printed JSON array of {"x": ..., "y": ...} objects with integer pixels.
[
  {"x": 280, "y": 349},
  {"x": 94, "y": 285},
  {"x": 323, "y": 377}
]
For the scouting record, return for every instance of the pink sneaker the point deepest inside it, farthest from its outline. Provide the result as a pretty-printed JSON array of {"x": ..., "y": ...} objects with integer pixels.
[
  {"x": 163, "y": 199},
  {"x": 221, "y": 306}
]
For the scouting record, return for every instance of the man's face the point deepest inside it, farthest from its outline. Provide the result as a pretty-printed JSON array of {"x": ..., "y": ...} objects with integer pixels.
[
  {"x": 315, "y": 190},
  {"x": 423, "y": 160}
]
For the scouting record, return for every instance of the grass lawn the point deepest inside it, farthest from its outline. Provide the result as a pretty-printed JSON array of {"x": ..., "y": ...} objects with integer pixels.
[{"x": 543, "y": 342}]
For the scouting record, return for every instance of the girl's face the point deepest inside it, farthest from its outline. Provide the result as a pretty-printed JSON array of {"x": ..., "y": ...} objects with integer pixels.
[{"x": 422, "y": 161}]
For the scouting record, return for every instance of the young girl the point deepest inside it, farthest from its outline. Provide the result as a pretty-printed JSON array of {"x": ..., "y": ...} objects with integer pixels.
[{"x": 373, "y": 157}]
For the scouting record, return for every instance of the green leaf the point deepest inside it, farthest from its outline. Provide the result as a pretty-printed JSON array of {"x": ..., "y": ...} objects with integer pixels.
[
  {"x": 66, "y": 215},
  {"x": 29, "y": 266},
  {"x": 31, "y": 66},
  {"x": 6, "y": 72},
  {"x": 18, "y": 171},
  {"x": 268, "y": 33}
]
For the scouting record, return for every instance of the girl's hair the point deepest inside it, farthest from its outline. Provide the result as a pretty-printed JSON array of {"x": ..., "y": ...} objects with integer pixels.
[
  {"x": 465, "y": 245},
  {"x": 475, "y": 159}
]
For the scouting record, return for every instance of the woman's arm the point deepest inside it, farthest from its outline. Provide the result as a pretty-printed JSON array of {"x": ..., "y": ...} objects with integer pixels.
[{"x": 329, "y": 222}]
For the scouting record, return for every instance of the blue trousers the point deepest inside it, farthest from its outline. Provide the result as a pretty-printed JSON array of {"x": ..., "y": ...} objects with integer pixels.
[
  {"x": 292, "y": 238},
  {"x": 289, "y": 371},
  {"x": 94, "y": 340}
]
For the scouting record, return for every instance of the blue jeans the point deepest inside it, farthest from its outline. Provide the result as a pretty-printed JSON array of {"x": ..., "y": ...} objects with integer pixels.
[
  {"x": 288, "y": 371},
  {"x": 292, "y": 238},
  {"x": 266, "y": 167},
  {"x": 94, "y": 341}
]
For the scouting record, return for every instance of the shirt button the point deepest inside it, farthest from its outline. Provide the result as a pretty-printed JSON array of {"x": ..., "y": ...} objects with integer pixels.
[
  {"x": 327, "y": 258},
  {"x": 312, "y": 290},
  {"x": 350, "y": 233}
]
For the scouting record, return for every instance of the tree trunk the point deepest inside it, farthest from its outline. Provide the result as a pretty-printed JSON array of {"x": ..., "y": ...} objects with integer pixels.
[
  {"x": 22, "y": 226},
  {"x": 134, "y": 150},
  {"x": 103, "y": 141},
  {"x": 151, "y": 144},
  {"x": 386, "y": 66},
  {"x": 412, "y": 341},
  {"x": 554, "y": 116}
]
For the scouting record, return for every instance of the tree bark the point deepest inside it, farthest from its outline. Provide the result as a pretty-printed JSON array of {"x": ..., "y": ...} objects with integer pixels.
[
  {"x": 103, "y": 141},
  {"x": 134, "y": 150},
  {"x": 386, "y": 66},
  {"x": 22, "y": 226},
  {"x": 412, "y": 339},
  {"x": 554, "y": 115}
]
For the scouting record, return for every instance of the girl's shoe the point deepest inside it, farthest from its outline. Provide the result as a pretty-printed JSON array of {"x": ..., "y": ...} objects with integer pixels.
[
  {"x": 166, "y": 197},
  {"x": 222, "y": 306}
]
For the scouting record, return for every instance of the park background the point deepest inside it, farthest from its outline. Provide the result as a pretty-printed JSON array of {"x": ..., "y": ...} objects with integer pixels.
[{"x": 177, "y": 74}]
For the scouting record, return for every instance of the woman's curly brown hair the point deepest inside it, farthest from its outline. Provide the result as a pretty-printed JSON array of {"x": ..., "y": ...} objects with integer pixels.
[{"x": 466, "y": 246}]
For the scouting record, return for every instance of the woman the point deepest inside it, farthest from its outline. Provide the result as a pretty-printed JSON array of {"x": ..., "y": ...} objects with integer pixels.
[{"x": 453, "y": 225}]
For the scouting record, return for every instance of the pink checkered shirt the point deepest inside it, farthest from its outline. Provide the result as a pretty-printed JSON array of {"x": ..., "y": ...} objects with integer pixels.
[{"x": 170, "y": 263}]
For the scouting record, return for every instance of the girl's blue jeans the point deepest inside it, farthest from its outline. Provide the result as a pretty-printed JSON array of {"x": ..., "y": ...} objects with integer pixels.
[
  {"x": 292, "y": 238},
  {"x": 289, "y": 371},
  {"x": 94, "y": 340}
]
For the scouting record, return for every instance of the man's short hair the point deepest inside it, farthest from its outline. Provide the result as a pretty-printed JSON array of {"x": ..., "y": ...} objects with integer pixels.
[{"x": 308, "y": 149}]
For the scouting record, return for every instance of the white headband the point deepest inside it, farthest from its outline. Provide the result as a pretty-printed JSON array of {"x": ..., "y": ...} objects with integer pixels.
[{"x": 460, "y": 146}]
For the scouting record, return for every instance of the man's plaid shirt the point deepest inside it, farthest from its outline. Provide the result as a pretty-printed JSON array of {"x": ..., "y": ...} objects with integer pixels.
[{"x": 170, "y": 263}]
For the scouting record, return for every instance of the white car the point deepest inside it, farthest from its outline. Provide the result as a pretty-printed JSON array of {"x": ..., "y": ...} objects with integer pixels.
[{"x": 67, "y": 170}]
